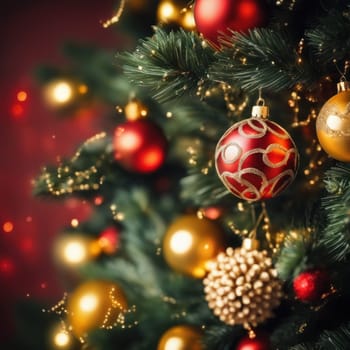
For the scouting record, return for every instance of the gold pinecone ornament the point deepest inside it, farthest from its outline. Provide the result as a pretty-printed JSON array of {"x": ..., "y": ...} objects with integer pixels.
[{"x": 242, "y": 287}]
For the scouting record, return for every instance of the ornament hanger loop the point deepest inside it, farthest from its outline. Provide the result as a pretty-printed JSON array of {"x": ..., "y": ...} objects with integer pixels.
[
  {"x": 260, "y": 110},
  {"x": 260, "y": 101}
]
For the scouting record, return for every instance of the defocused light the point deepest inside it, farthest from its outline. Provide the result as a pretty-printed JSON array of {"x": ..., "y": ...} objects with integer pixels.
[
  {"x": 17, "y": 110},
  {"x": 62, "y": 92},
  {"x": 167, "y": 12},
  {"x": 188, "y": 21},
  {"x": 74, "y": 222},
  {"x": 61, "y": 339},
  {"x": 7, "y": 226},
  {"x": 22, "y": 96},
  {"x": 6, "y": 266}
]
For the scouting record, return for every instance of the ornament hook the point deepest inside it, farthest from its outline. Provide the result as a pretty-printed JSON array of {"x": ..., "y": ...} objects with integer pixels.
[{"x": 260, "y": 110}]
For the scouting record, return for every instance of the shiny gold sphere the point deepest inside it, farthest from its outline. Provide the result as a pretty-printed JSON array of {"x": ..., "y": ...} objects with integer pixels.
[
  {"x": 333, "y": 126},
  {"x": 75, "y": 249},
  {"x": 181, "y": 338},
  {"x": 191, "y": 243},
  {"x": 95, "y": 304}
]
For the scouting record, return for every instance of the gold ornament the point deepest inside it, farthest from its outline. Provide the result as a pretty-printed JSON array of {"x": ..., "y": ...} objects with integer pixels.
[
  {"x": 242, "y": 286},
  {"x": 95, "y": 304},
  {"x": 168, "y": 12},
  {"x": 64, "y": 92},
  {"x": 61, "y": 338},
  {"x": 190, "y": 243},
  {"x": 333, "y": 124},
  {"x": 182, "y": 337},
  {"x": 75, "y": 250}
]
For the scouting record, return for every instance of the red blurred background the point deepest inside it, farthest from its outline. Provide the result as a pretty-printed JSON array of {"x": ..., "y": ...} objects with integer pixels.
[{"x": 32, "y": 33}]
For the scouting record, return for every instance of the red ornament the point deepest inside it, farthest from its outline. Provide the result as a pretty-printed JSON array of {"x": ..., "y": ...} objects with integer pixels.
[
  {"x": 139, "y": 146},
  {"x": 109, "y": 240},
  {"x": 256, "y": 159},
  {"x": 260, "y": 342},
  {"x": 212, "y": 17},
  {"x": 310, "y": 285}
]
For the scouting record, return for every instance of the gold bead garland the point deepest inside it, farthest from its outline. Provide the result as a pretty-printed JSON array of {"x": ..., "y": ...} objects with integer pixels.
[{"x": 242, "y": 286}]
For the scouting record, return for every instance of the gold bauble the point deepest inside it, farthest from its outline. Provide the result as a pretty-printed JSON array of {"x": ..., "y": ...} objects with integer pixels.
[
  {"x": 190, "y": 243},
  {"x": 75, "y": 249},
  {"x": 333, "y": 124},
  {"x": 242, "y": 286},
  {"x": 64, "y": 92},
  {"x": 95, "y": 304},
  {"x": 182, "y": 337}
]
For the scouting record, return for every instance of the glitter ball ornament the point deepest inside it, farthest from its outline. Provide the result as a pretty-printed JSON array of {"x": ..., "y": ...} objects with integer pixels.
[
  {"x": 333, "y": 124},
  {"x": 242, "y": 286},
  {"x": 139, "y": 146},
  {"x": 182, "y": 337},
  {"x": 190, "y": 243},
  {"x": 310, "y": 285},
  {"x": 212, "y": 17},
  {"x": 95, "y": 304},
  {"x": 256, "y": 159}
]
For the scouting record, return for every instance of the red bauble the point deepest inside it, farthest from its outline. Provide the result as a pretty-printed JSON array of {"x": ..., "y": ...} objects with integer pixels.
[
  {"x": 260, "y": 342},
  {"x": 212, "y": 17},
  {"x": 310, "y": 285},
  {"x": 256, "y": 159},
  {"x": 139, "y": 146},
  {"x": 109, "y": 240}
]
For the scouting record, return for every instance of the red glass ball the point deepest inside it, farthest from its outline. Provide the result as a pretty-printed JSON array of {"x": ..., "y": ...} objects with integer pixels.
[
  {"x": 310, "y": 285},
  {"x": 260, "y": 342},
  {"x": 212, "y": 17},
  {"x": 139, "y": 146},
  {"x": 256, "y": 159}
]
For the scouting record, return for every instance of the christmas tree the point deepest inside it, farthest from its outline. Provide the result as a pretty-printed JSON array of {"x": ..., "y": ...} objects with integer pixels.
[{"x": 219, "y": 184}]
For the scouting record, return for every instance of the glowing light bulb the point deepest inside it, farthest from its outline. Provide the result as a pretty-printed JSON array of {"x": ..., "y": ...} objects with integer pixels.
[
  {"x": 62, "y": 92},
  {"x": 62, "y": 339},
  {"x": 167, "y": 12},
  {"x": 188, "y": 21},
  {"x": 7, "y": 227},
  {"x": 22, "y": 96}
]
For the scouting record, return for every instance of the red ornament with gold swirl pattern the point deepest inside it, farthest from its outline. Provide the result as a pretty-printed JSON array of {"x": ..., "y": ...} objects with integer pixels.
[{"x": 256, "y": 158}]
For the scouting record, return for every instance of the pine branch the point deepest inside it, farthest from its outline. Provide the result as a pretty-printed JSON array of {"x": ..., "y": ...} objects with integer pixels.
[
  {"x": 336, "y": 234},
  {"x": 169, "y": 64},
  {"x": 338, "y": 338},
  {"x": 85, "y": 172},
  {"x": 292, "y": 258},
  {"x": 330, "y": 40},
  {"x": 202, "y": 188},
  {"x": 261, "y": 58}
]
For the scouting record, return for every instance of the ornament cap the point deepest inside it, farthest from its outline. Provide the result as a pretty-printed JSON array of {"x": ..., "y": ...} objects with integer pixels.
[
  {"x": 250, "y": 244},
  {"x": 260, "y": 111},
  {"x": 343, "y": 86}
]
